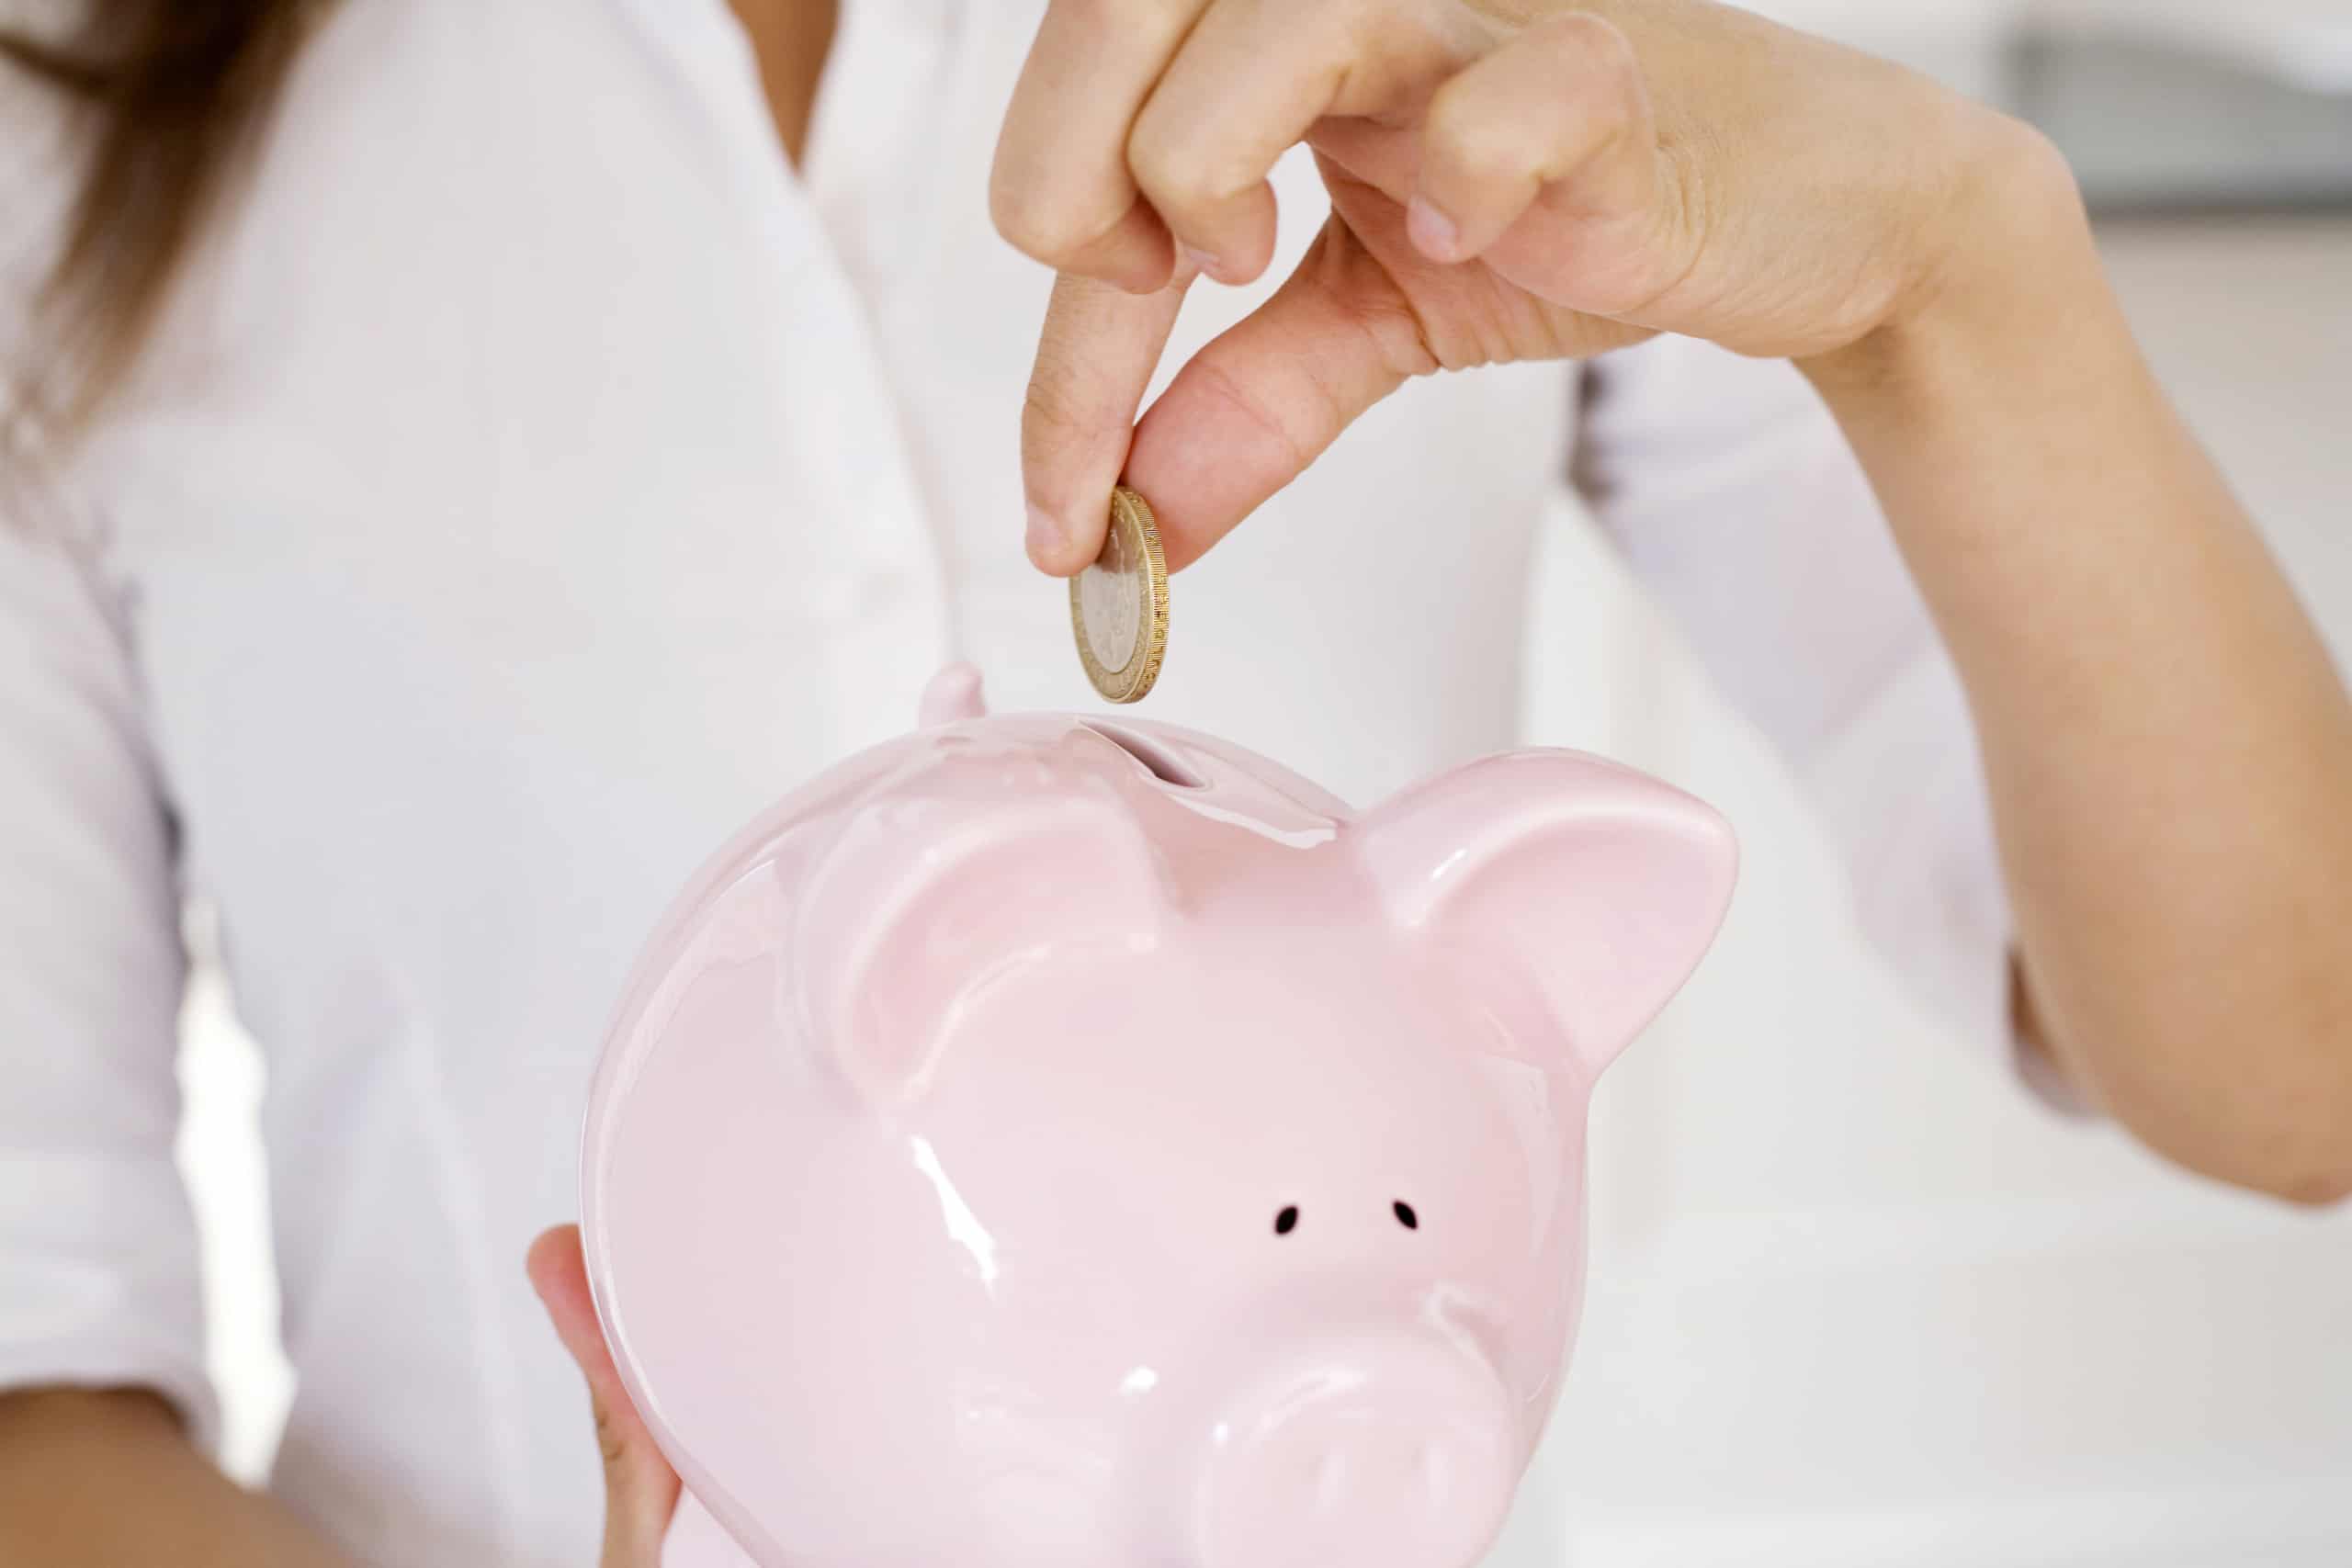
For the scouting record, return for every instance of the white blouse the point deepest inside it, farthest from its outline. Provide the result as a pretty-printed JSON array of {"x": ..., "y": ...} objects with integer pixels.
[{"x": 535, "y": 477}]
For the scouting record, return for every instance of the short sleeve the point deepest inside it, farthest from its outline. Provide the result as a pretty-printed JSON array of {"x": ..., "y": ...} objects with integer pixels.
[
  {"x": 98, "y": 1259},
  {"x": 1731, "y": 492}
]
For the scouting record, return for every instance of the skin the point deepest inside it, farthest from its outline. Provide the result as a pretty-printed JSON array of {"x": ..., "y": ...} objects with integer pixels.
[
  {"x": 790, "y": 39},
  {"x": 103, "y": 1476},
  {"x": 2166, "y": 745},
  {"x": 92, "y": 1477},
  {"x": 640, "y": 1489}
]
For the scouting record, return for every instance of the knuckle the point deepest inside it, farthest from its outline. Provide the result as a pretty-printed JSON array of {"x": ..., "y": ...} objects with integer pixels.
[
  {"x": 1468, "y": 137},
  {"x": 1040, "y": 223},
  {"x": 1005, "y": 214},
  {"x": 1022, "y": 214},
  {"x": 1161, "y": 169},
  {"x": 1596, "y": 53},
  {"x": 1179, "y": 175}
]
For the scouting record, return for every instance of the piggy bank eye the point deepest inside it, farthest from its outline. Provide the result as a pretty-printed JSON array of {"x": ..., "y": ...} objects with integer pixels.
[
  {"x": 1287, "y": 1221},
  {"x": 1405, "y": 1215}
]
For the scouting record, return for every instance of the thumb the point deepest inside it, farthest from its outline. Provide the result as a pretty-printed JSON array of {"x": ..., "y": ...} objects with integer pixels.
[
  {"x": 1263, "y": 401},
  {"x": 640, "y": 1489}
]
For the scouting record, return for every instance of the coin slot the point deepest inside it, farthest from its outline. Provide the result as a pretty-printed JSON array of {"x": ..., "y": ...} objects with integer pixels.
[{"x": 1157, "y": 760}]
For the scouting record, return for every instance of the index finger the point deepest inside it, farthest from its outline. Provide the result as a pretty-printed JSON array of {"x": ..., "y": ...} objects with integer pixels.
[
  {"x": 1096, "y": 358},
  {"x": 1059, "y": 189}
]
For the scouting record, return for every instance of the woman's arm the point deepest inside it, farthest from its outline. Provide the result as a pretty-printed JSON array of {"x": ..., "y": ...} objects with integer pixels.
[
  {"x": 2168, "y": 747},
  {"x": 99, "y": 1278},
  {"x": 2170, "y": 752},
  {"x": 99, "y": 1478}
]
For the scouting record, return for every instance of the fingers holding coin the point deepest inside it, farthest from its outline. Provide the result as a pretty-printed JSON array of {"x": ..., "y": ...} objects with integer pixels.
[{"x": 1135, "y": 153}]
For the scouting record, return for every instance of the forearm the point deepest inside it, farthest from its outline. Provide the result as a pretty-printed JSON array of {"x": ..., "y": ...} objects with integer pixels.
[
  {"x": 2168, "y": 748},
  {"x": 93, "y": 1480}
]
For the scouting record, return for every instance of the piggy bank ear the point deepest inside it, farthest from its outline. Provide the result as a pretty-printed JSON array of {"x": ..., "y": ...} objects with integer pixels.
[
  {"x": 1597, "y": 886},
  {"x": 921, "y": 904}
]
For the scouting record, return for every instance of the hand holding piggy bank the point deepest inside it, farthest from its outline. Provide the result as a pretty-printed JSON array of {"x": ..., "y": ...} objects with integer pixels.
[{"x": 1048, "y": 1142}]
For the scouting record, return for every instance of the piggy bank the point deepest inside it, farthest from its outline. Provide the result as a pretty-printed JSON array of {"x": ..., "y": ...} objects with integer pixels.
[{"x": 1045, "y": 1142}]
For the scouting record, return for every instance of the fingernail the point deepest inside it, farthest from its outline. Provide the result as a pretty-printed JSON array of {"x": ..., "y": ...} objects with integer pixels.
[
  {"x": 1202, "y": 261},
  {"x": 1047, "y": 538},
  {"x": 1432, "y": 230}
]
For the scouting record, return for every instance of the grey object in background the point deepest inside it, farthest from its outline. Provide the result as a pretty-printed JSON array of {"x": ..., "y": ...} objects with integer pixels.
[{"x": 2153, "y": 123}]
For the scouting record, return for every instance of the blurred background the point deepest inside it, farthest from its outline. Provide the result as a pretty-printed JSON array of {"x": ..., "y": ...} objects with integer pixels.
[{"x": 1859, "y": 1298}]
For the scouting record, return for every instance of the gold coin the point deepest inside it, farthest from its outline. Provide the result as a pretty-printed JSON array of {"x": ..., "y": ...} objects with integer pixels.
[{"x": 1118, "y": 606}]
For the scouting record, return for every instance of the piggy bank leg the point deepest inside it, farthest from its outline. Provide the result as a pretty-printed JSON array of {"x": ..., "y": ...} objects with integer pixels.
[{"x": 696, "y": 1541}]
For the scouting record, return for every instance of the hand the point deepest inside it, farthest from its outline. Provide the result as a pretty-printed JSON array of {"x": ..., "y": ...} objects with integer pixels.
[
  {"x": 1510, "y": 180},
  {"x": 640, "y": 1489}
]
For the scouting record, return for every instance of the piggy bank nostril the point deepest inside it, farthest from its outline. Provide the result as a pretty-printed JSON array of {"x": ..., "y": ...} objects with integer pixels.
[
  {"x": 1405, "y": 1215},
  {"x": 1287, "y": 1221},
  {"x": 1384, "y": 1452}
]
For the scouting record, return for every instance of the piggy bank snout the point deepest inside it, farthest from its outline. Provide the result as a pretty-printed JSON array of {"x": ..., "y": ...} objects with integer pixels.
[{"x": 1390, "y": 1452}]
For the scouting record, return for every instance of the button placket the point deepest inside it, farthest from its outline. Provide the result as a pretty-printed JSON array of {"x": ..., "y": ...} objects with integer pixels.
[{"x": 879, "y": 580}]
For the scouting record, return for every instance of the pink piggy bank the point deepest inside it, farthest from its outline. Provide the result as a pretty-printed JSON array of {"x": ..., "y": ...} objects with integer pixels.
[{"x": 1049, "y": 1143}]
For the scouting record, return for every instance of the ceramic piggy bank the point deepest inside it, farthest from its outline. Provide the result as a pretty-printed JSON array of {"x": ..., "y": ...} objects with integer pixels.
[{"x": 1044, "y": 1142}]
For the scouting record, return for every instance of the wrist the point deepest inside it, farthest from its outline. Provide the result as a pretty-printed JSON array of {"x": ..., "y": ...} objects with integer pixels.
[{"x": 2004, "y": 266}]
